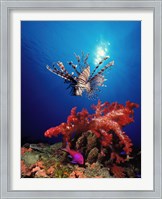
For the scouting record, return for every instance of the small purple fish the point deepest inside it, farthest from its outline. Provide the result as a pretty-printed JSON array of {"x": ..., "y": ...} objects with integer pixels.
[{"x": 77, "y": 157}]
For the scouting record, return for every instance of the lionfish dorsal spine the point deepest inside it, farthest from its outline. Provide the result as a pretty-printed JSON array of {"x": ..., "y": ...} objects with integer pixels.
[
  {"x": 82, "y": 61},
  {"x": 74, "y": 67},
  {"x": 86, "y": 58},
  {"x": 77, "y": 57}
]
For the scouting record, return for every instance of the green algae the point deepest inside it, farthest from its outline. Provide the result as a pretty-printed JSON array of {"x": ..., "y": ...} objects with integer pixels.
[{"x": 31, "y": 157}]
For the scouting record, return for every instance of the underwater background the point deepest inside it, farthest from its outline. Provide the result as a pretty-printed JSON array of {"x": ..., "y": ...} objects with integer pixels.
[{"x": 45, "y": 101}]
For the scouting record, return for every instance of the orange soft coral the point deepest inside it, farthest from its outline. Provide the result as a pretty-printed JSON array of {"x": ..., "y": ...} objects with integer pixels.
[{"x": 105, "y": 123}]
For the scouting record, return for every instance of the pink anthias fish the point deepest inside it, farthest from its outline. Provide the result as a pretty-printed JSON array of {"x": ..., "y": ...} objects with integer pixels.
[{"x": 77, "y": 158}]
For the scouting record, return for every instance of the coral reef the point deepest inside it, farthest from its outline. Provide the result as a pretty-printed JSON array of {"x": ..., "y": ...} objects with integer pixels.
[
  {"x": 54, "y": 163},
  {"x": 99, "y": 137}
]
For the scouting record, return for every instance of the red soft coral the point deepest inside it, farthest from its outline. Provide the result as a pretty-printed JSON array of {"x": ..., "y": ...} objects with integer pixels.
[
  {"x": 117, "y": 157},
  {"x": 107, "y": 118},
  {"x": 76, "y": 122},
  {"x": 118, "y": 171}
]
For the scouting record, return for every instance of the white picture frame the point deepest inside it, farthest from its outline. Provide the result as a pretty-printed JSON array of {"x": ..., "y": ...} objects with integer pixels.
[{"x": 7, "y": 105}]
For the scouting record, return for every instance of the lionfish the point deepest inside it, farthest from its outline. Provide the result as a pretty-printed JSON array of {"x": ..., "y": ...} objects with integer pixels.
[{"x": 82, "y": 80}]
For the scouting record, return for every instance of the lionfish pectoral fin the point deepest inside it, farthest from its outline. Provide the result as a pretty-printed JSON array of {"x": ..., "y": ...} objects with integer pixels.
[{"x": 99, "y": 64}]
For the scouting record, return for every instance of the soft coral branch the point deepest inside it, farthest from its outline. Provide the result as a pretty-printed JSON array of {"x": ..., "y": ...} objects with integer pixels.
[
  {"x": 118, "y": 171},
  {"x": 76, "y": 122},
  {"x": 106, "y": 119}
]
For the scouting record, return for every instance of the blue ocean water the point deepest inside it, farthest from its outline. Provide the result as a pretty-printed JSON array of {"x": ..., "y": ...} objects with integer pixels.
[{"x": 45, "y": 101}]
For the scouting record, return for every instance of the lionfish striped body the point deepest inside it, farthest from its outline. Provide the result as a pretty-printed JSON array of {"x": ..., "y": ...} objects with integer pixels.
[{"x": 83, "y": 80}]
